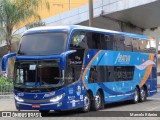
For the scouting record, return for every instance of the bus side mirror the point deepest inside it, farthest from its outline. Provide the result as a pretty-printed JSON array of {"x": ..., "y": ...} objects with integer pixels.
[
  {"x": 5, "y": 60},
  {"x": 63, "y": 58}
]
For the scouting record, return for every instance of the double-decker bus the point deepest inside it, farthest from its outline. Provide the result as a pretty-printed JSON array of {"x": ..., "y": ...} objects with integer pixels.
[{"x": 70, "y": 67}]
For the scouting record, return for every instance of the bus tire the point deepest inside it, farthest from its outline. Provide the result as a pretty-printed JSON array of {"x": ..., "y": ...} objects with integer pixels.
[
  {"x": 97, "y": 102},
  {"x": 136, "y": 96},
  {"x": 143, "y": 94},
  {"x": 87, "y": 103}
]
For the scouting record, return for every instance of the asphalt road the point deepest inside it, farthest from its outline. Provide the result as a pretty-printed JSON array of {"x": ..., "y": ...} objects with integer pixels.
[{"x": 152, "y": 104}]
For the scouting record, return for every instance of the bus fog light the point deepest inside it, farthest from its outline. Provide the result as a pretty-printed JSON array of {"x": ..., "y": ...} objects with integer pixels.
[{"x": 57, "y": 98}]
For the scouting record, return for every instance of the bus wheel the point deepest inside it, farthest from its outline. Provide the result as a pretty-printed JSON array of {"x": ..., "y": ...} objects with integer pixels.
[
  {"x": 97, "y": 102},
  {"x": 136, "y": 96},
  {"x": 87, "y": 103},
  {"x": 44, "y": 111},
  {"x": 143, "y": 94}
]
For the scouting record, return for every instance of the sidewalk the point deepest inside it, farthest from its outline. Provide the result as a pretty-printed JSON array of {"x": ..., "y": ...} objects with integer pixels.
[
  {"x": 7, "y": 103},
  {"x": 10, "y": 96}
]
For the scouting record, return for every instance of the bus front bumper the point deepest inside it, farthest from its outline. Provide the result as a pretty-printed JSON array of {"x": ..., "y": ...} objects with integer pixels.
[{"x": 40, "y": 106}]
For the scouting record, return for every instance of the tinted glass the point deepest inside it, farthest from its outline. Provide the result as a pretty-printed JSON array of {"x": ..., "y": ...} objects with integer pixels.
[
  {"x": 85, "y": 40},
  {"x": 152, "y": 46},
  {"x": 123, "y": 73},
  {"x": 128, "y": 44},
  {"x": 97, "y": 40},
  {"x": 38, "y": 73},
  {"x": 79, "y": 40},
  {"x": 120, "y": 46},
  {"x": 111, "y": 73},
  {"x": 43, "y": 44}
]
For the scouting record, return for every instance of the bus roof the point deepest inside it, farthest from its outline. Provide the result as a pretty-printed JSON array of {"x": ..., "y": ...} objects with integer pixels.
[{"x": 79, "y": 27}]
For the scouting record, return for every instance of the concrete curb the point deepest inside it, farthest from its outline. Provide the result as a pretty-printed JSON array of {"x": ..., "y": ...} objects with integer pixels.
[{"x": 6, "y": 96}]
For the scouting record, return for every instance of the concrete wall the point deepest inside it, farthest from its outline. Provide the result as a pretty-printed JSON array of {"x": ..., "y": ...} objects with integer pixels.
[
  {"x": 80, "y": 15},
  {"x": 154, "y": 33},
  {"x": 111, "y": 24}
]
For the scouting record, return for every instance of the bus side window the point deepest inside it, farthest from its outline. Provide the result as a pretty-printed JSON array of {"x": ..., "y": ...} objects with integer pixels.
[
  {"x": 135, "y": 45},
  {"x": 124, "y": 73},
  {"x": 93, "y": 40},
  {"x": 146, "y": 46},
  {"x": 93, "y": 75},
  {"x": 152, "y": 46},
  {"x": 79, "y": 40},
  {"x": 97, "y": 74},
  {"x": 104, "y": 41},
  {"x": 101, "y": 73},
  {"x": 142, "y": 45},
  {"x": 107, "y": 42},
  {"x": 110, "y": 42},
  {"x": 89, "y": 40},
  {"x": 119, "y": 43},
  {"x": 128, "y": 44},
  {"x": 96, "y": 40},
  {"x": 110, "y": 74}
]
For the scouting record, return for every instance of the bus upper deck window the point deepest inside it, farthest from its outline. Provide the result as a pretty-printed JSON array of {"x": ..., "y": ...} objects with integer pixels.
[{"x": 79, "y": 40}]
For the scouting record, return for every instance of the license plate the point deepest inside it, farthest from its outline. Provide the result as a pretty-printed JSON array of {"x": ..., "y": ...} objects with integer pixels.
[{"x": 35, "y": 106}]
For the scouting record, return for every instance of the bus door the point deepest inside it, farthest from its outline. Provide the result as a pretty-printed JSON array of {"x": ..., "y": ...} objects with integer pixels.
[{"x": 72, "y": 77}]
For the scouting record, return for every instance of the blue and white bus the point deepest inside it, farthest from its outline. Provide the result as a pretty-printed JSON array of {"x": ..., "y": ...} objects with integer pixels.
[{"x": 70, "y": 67}]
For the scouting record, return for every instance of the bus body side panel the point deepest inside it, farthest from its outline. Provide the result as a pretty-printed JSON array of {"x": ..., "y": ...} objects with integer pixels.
[
  {"x": 119, "y": 90},
  {"x": 152, "y": 82},
  {"x": 75, "y": 95}
]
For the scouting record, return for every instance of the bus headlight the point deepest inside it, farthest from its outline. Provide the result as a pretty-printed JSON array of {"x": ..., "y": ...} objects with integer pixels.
[
  {"x": 18, "y": 98},
  {"x": 57, "y": 98}
]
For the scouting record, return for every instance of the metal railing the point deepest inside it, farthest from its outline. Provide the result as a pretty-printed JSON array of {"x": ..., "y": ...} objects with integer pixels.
[{"x": 6, "y": 89}]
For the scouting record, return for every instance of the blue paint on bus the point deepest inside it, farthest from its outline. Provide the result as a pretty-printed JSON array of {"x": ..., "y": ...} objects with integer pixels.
[{"x": 73, "y": 95}]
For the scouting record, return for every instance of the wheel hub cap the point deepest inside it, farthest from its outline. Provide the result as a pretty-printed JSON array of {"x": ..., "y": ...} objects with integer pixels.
[
  {"x": 97, "y": 101},
  {"x": 86, "y": 102}
]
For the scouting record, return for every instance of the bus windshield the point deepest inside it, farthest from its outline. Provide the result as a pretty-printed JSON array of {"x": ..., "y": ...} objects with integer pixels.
[
  {"x": 38, "y": 73},
  {"x": 43, "y": 43}
]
